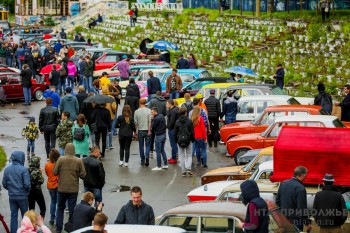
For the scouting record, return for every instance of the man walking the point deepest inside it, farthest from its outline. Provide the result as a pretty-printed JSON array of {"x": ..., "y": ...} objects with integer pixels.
[
  {"x": 48, "y": 121},
  {"x": 159, "y": 130},
  {"x": 184, "y": 137},
  {"x": 136, "y": 211},
  {"x": 279, "y": 76},
  {"x": 153, "y": 85},
  {"x": 17, "y": 181},
  {"x": 173, "y": 85},
  {"x": 182, "y": 63},
  {"x": 291, "y": 198},
  {"x": 173, "y": 115},
  {"x": 95, "y": 174},
  {"x": 64, "y": 132},
  {"x": 51, "y": 93},
  {"x": 330, "y": 211},
  {"x": 214, "y": 111},
  {"x": 142, "y": 119},
  {"x": 69, "y": 103},
  {"x": 69, "y": 168},
  {"x": 345, "y": 105}
]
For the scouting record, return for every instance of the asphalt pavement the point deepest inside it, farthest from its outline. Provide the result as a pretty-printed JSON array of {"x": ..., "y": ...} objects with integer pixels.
[{"x": 163, "y": 190}]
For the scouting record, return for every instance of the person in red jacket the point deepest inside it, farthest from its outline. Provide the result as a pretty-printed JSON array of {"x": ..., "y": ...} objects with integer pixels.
[{"x": 200, "y": 136}]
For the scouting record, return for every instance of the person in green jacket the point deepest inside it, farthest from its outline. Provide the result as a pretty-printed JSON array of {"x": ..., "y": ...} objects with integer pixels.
[
  {"x": 64, "y": 132},
  {"x": 81, "y": 134}
]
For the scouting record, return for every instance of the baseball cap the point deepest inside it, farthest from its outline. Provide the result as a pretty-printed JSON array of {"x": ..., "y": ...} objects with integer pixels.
[
  {"x": 124, "y": 56},
  {"x": 104, "y": 73}
]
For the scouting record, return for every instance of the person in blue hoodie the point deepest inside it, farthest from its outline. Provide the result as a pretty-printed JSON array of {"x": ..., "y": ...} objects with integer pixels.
[
  {"x": 51, "y": 93},
  {"x": 69, "y": 103},
  {"x": 17, "y": 181},
  {"x": 229, "y": 108}
]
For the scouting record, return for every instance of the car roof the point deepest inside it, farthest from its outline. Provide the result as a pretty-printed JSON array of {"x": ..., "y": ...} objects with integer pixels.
[
  {"x": 156, "y": 70},
  {"x": 149, "y": 66},
  {"x": 308, "y": 118},
  {"x": 217, "y": 85},
  {"x": 192, "y": 71},
  {"x": 267, "y": 165},
  {"x": 265, "y": 97},
  {"x": 293, "y": 106},
  {"x": 235, "y": 209},
  {"x": 259, "y": 86},
  {"x": 92, "y": 49},
  {"x": 128, "y": 228}
]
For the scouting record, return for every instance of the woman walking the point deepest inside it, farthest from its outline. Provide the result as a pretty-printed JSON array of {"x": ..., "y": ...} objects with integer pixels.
[
  {"x": 200, "y": 136},
  {"x": 125, "y": 123},
  {"x": 81, "y": 134}
]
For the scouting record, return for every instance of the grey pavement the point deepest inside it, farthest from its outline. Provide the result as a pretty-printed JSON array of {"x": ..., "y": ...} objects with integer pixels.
[{"x": 161, "y": 189}]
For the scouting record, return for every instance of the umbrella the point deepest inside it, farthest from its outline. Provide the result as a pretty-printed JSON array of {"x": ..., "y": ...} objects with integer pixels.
[
  {"x": 99, "y": 99},
  {"x": 47, "y": 31},
  {"x": 241, "y": 70},
  {"x": 47, "y": 69},
  {"x": 143, "y": 44},
  {"x": 162, "y": 45}
]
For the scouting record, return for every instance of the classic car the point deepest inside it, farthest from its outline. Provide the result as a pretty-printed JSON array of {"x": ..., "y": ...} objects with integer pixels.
[
  {"x": 261, "y": 122},
  {"x": 95, "y": 52},
  {"x": 210, "y": 191},
  {"x": 238, "y": 145},
  {"x": 110, "y": 58},
  {"x": 221, "y": 217},
  {"x": 237, "y": 172},
  {"x": 11, "y": 84},
  {"x": 125, "y": 228},
  {"x": 247, "y": 157}
]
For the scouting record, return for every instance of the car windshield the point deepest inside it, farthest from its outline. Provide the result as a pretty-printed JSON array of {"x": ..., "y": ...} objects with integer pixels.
[
  {"x": 205, "y": 74},
  {"x": 256, "y": 162},
  {"x": 338, "y": 124},
  {"x": 277, "y": 91},
  {"x": 279, "y": 223},
  {"x": 256, "y": 119},
  {"x": 185, "y": 222},
  {"x": 293, "y": 101},
  {"x": 323, "y": 112}
]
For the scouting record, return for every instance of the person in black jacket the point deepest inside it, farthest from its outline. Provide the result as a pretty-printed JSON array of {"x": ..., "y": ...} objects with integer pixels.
[
  {"x": 182, "y": 63},
  {"x": 153, "y": 85},
  {"x": 184, "y": 137},
  {"x": 279, "y": 76},
  {"x": 26, "y": 80},
  {"x": 172, "y": 116},
  {"x": 95, "y": 173},
  {"x": 136, "y": 211},
  {"x": 29, "y": 60},
  {"x": 48, "y": 121},
  {"x": 84, "y": 213},
  {"x": 323, "y": 99},
  {"x": 291, "y": 198},
  {"x": 133, "y": 89},
  {"x": 345, "y": 105},
  {"x": 329, "y": 207},
  {"x": 102, "y": 118},
  {"x": 126, "y": 125},
  {"x": 159, "y": 130},
  {"x": 54, "y": 77},
  {"x": 214, "y": 111},
  {"x": 81, "y": 96}
]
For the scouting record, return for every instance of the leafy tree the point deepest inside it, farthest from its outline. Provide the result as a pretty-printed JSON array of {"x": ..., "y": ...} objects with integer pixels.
[{"x": 10, "y": 4}]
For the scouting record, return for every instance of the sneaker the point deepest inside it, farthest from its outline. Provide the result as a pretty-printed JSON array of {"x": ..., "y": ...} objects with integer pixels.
[
  {"x": 111, "y": 147},
  {"x": 157, "y": 169},
  {"x": 190, "y": 173},
  {"x": 165, "y": 167},
  {"x": 142, "y": 163},
  {"x": 66, "y": 210},
  {"x": 184, "y": 174},
  {"x": 147, "y": 162},
  {"x": 172, "y": 161},
  {"x": 215, "y": 144},
  {"x": 210, "y": 145},
  {"x": 51, "y": 222},
  {"x": 205, "y": 166},
  {"x": 126, "y": 165},
  {"x": 121, "y": 163}
]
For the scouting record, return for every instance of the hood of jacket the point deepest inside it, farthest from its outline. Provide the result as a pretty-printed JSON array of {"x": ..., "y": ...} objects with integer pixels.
[
  {"x": 18, "y": 157},
  {"x": 69, "y": 150},
  {"x": 183, "y": 119},
  {"x": 250, "y": 191},
  {"x": 69, "y": 97},
  {"x": 67, "y": 123},
  {"x": 26, "y": 226},
  {"x": 160, "y": 98},
  {"x": 34, "y": 163}
]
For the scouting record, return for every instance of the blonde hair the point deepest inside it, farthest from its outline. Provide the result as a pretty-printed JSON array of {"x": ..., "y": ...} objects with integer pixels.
[
  {"x": 187, "y": 96},
  {"x": 195, "y": 115},
  {"x": 32, "y": 216},
  {"x": 88, "y": 196}
]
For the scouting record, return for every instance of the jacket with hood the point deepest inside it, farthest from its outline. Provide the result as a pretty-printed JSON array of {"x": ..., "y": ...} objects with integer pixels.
[
  {"x": 69, "y": 169},
  {"x": 125, "y": 129},
  {"x": 230, "y": 107},
  {"x": 133, "y": 90},
  {"x": 257, "y": 217},
  {"x": 54, "y": 78},
  {"x": 173, "y": 115},
  {"x": 56, "y": 99},
  {"x": 64, "y": 133},
  {"x": 72, "y": 69},
  {"x": 83, "y": 215},
  {"x": 16, "y": 177},
  {"x": 160, "y": 103},
  {"x": 323, "y": 98},
  {"x": 69, "y": 103},
  {"x": 36, "y": 177},
  {"x": 101, "y": 117},
  {"x": 81, "y": 96},
  {"x": 131, "y": 214},
  {"x": 27, "y": 227},
  {"x": 133, "y": 102},
  {"x": 183, "y": 121},
  {"x": 158, "y": 125},
  {"x": 104, "y": 81},
  {"x": 112, "y": 107}
]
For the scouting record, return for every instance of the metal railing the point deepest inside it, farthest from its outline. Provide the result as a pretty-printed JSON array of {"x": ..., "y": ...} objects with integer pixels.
[{"x": 172, "y": 7}]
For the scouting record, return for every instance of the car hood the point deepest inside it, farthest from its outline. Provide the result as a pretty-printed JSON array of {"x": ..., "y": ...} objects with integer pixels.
[
  {"x": 250, "y": 136},
  {"x": 242, "y": 124},
  {"x": 224, "y": 170},
  {"x": 212, "y": 189}
]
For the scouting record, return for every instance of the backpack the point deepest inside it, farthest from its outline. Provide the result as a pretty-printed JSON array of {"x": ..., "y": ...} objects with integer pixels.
[
  {"x": 183, "y": 136},
  {"x": 79, "y": 134},
  {"x": 189, "y": 107},
  {"x": 326, "y": 104}
]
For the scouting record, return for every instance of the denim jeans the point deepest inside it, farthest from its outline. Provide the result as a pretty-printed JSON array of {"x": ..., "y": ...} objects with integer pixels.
[
  {"x": 81, "y": 80},
  {"x": 61, "y": 86},
  {"x": 132, "y": 22},
  {"x": 174, "y": 95},
  {"x": 27, "y": 95},
  {"x": 61, "y": 150},
  {"x": 97, "y": 193},
  {"x": 88, "y": 81},
  {"x": 144, "y": 139},
  {"x": 62, "y": 198},
  {"x": 201, "y": 151},
  {"x": 114, "y": 122},
  {"x": 19, "y": 64},
  {"x": 53, "y": 204},
  {"x": 31, "y": 145},
  {"x": 173, "y": 144},
  {"x": 160, "y": 144},
  {"x": 9, "y": 61},
  {"x": 15, "y": 205},
  {"x": 70, "y": 80},
  {"x": 230, "y": 119},
  {"x": 109, "y": 140}
]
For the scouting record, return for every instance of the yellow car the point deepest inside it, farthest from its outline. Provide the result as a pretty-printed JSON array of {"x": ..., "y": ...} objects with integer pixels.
[{"x": 220, "y": 88}]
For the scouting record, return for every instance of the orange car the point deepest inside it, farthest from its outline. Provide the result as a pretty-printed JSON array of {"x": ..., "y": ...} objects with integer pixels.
[
  {"x": 240, "y": 144},
  {"x": 259, "y": 124}
]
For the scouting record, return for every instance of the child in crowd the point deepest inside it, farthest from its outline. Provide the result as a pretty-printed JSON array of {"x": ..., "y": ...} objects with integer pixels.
[{"x": 31, "y": 133}]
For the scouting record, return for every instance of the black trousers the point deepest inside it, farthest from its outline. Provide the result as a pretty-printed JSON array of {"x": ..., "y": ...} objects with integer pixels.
[
  {"x": 50, "y": 140},
  {"x": 101, "y": 132},
  {"x": 124, "y": 147},
  {"x": 36, "y": 195},
  {"x": 214, "y": 128},
  {"x": 325, "y": 14}
]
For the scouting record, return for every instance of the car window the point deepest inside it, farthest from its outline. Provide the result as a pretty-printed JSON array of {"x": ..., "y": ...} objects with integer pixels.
[
  {"x": 134, "y": 71},
  {"x": 219, "y": 224},
  {"x": 198, "y": 85},
  {"x": 293, "y": 101},
  {"x": 109, "y": 58},
  {"x": 261, "y": 105},
  {"x": 205, "y": 74},
  {"x": 312, "y": 124},
  {"x": 265, "y": 175},
  {"x": 187, "y": 78},
  {"x": 298, "y": 113},
  {"x": 270, "y": 117},
  {"x": 277, "y": 91},
  {"x": 249, "y": 92},
  {"x": 189, "y": 224},
  {"x": 14, "y": 79},
  {"x": 277, "y": 128},
  {"x": 246, "y": 107}
]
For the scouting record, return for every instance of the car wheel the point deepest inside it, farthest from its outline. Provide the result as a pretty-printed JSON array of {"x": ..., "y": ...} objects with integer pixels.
[
  {"x": 38, "y": 95},
  {"x": 239, "y": 153}
]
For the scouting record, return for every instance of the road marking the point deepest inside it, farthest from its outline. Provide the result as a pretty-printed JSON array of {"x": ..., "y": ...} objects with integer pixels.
[{"x": 172, "y": 180}]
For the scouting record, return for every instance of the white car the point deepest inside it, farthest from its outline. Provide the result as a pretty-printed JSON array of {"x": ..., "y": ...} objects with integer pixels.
[{"x": 124, "y": 228}]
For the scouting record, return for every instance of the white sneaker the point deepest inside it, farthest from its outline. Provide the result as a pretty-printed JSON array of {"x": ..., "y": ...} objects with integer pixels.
[
  {"x": 126, "y": 164},
  {"x": 121, "y": 163},
  {"x": 165, "y": 167},
  {"x": 157, "y": 169}
]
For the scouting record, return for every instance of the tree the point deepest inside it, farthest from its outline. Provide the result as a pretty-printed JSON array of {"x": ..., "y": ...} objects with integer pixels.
[{"x": 10, "y": 4}]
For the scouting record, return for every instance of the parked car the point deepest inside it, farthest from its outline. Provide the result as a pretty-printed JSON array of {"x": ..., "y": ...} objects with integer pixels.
[
  {"x": 238, "y": 145},
  {"x": 11, "y": 84},
  {"x": 267, "y": 117},
  {"x": 237, "y": 172},
  {"x": 220, "y": 217},
  {"x": 95, "y": 52},
  {"x": 247, "y": 157},
  {"x": 125, "y": 228},
  {"x": 110, "y": 58},
  {"x": 52, "y": 41},
  {"x": 252, "y": 89},
  {"x": 210, "y": 191}
]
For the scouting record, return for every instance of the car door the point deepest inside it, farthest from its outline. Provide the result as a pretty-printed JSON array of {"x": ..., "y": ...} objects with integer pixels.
[
  {"x": 220, "y": 224},
  {"x": 106, "y": 61},
  {"x": 15, "y": 87},
  {"x": 246, "y": 110}
]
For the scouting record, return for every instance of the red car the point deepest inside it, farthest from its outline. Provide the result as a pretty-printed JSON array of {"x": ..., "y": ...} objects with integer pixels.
[{"x": 11, "y": 85}]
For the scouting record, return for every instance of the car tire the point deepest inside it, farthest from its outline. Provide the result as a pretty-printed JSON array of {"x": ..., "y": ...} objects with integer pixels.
[
  {"x": 238, "y": 154},
  {"x": 38, "y": 95}
]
